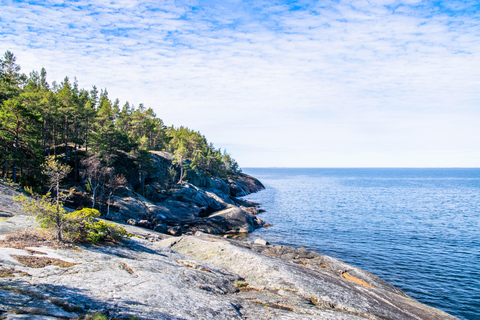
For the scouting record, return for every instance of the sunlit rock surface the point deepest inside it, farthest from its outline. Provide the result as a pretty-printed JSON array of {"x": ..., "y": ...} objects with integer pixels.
[{"x": 156, "y": 276}]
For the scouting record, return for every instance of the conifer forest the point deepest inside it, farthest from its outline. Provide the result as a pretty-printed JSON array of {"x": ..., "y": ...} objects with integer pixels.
[{"x": 86, "y": 130}]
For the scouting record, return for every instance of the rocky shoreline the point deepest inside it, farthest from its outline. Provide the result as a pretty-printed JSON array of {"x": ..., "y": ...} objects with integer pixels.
[
  {"x": 155, "y": 275},
  {"x": 207, "y": 204},
  {"x": 186, "y": 208}
]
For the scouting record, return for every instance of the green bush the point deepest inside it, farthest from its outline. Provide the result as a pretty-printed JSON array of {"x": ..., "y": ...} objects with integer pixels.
[
  {"x": 76, "y": 226},
  {"x": 96, "y": 316},
  {"x": 82, "y": 227},
  {"x": 43, "y": 209}
]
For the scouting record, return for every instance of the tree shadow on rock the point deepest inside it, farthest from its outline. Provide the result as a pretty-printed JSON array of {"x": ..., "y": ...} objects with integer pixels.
[{"x": 21, "y": 297}]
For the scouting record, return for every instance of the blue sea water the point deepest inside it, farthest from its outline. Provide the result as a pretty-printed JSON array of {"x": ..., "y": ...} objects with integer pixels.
[{"x": 416, "y": 228}]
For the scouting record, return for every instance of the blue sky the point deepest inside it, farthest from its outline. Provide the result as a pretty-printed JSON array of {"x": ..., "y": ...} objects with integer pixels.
[{"x": 278, "y": 83}]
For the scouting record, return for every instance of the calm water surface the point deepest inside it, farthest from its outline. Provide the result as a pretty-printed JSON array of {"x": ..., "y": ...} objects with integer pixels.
[{"x": 416, "y": 228}]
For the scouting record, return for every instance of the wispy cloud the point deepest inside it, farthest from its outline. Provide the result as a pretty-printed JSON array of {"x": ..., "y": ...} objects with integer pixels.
[{"x": 330, "y": 83}]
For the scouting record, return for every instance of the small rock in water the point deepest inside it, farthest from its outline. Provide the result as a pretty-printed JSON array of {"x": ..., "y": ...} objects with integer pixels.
[{"x": 261, "y": 242}]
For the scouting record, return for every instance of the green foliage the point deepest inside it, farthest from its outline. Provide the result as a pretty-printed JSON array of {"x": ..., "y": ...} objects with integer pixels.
[
  {"x": 81, "y": 226},
  {"x": 188, "y": 145},
  {"x": 9, "y": 182},
  {"x": 38, "y": 120},
  {"x": 76, "y": 226},
  {"x": 43, "y": 209},
  {"x": 56, "y": 172},
  {"x": 32, "y": 191},
  {"x": 96, "y": 316}
]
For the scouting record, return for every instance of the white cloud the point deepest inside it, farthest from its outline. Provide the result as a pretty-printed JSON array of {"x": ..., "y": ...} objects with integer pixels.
[{"x": 360, "y": 83}]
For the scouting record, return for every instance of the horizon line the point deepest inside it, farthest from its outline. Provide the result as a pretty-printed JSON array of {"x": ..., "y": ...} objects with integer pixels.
[{"x": 281, "y": 167}]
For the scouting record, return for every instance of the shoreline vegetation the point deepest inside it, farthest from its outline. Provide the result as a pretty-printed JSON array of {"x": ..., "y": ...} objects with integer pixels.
[
  {"x": 120, "y": 160},
  {"x": 170, "y": 190}
]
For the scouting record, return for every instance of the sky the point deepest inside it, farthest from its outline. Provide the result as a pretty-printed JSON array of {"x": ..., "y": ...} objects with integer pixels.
[{"x": 375, "y": 83}]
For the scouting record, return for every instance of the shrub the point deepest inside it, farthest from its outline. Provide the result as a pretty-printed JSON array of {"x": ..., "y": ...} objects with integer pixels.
[
  {"x": 81, "y": 226},
  {"x": 76, "y": 226},
  {"x": 43, "y": 209},
  {"x": 96, "y": 316}
]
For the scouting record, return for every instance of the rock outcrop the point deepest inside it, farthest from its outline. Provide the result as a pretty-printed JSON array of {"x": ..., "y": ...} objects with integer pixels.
[
  {"x": 155, "y": 198},
  {"x": 156, "y": 276},
  {"x": 210, "y": 205},
  {"x": 201, "y": 276}
]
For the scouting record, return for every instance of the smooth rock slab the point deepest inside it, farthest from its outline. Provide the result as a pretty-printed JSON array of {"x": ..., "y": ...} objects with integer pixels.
[
  {"x": 322, "y": 286},
  {"x": 137, "y": 279}
]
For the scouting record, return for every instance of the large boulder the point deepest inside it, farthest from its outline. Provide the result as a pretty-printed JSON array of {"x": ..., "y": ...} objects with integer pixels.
[
  {"x": 191, "y": 194},
  {"x": 182, "y": 205},
  {"x": 161, "y": 162},
  {"x": 202, "y": 205},
  {"x": 230, "y": 220},
  {"x": 244, "y": 184},
  {"x": 139, "y": 208},
  {"x": 8, "y": 207},
  {"x": 218, "y": 184}
]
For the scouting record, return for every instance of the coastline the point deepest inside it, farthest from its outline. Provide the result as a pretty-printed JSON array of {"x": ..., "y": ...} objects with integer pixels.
[
  {"x": 414, "y": 228},
  {"x": 159, "y": 276}
]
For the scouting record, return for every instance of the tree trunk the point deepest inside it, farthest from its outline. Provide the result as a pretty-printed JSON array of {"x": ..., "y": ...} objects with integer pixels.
[
  {"x": 181, "y": 170},
  {"x": 108, "y": 203},
  {"x": 44, "y": 138},
  {"x": 76, "y": 153},
  {"x": 14, "y": 169},
  {"x": 59, "y": 219},
  {"x": 86, "y": 138},
  {"x": 54, "y": 141},
  {"x": 94, "y": 190},
  {"x": 66, "y": 140}
]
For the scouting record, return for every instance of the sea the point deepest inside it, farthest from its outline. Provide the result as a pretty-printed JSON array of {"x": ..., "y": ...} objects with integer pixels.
[{"x": 418, "y": 229}]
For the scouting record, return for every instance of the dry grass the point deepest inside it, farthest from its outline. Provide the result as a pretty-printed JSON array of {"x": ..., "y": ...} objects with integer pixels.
[
  {"x": 281, "y": 306},
  {"x": 25, "y": 239},
  {"x": 65, "y": 305},
  {"x": 127, "y": 268},
  {"x": 41, "y": 262},
  {"x": 31, "y": 251},
  {"x": 194, "y": 266},
  {"x": 244, "y": 286},
  {"x": 10, "y": 273}
]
